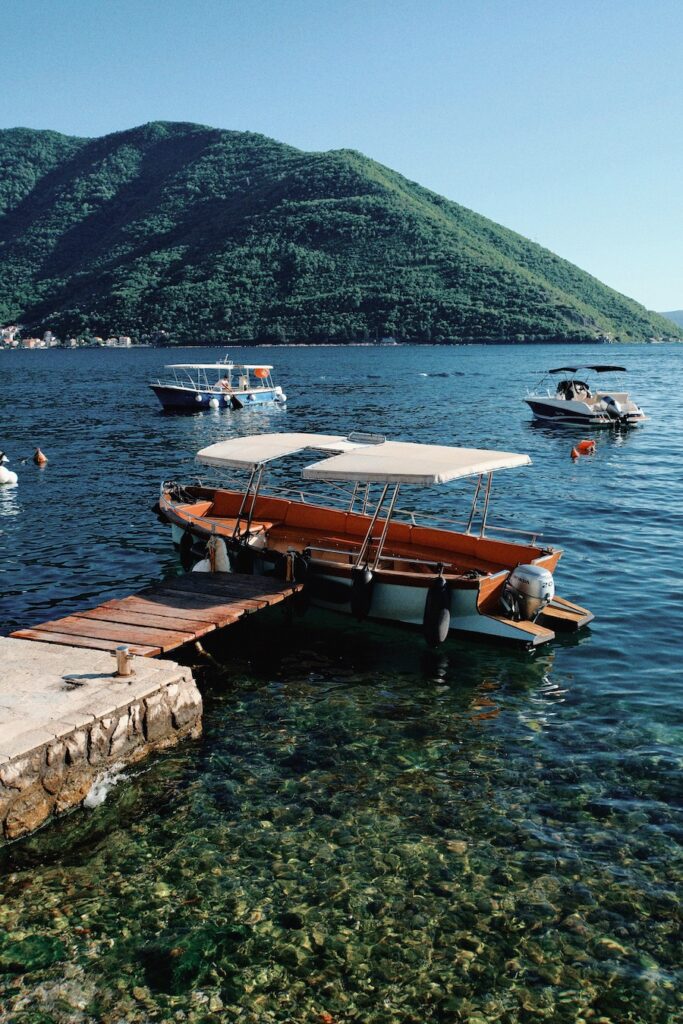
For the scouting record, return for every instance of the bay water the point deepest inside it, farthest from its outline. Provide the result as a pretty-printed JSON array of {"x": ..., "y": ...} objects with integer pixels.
[{"x": 368, "y": 830}]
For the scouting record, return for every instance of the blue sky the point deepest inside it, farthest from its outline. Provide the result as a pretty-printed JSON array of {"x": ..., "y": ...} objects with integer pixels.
[{"x": 560, "y": 119}]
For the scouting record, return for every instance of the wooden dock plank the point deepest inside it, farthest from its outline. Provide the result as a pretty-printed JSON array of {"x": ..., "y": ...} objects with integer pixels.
[
  {"x": 160, "y": 610},
  {"x": 237, "y": 603},
  {"x": 134, "y": 618},
  {"x": 165, "y": 615},
  {"x": 229, "y": 583},
  {"x": 199, "y": 612},
  {"x": 70, "y": 640},
  {"x": 121, "y": 632}
]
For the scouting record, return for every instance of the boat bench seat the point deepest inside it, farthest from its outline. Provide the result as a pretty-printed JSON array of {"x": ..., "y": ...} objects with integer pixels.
[
  {"x": 283, "y": 536},
  {"x": 225, "y": 525},
  {"x": 195, "y": 508}
]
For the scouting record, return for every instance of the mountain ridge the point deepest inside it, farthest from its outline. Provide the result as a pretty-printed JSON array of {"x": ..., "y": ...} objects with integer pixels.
[{"x": 200, "y": 234}]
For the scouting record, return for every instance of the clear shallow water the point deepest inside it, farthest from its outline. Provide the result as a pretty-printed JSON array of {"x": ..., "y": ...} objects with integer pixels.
[{"x": 368, "y": 831}]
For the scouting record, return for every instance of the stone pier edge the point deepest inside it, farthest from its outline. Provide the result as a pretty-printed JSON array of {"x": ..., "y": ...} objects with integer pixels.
[{"x": 56, "y": 775}]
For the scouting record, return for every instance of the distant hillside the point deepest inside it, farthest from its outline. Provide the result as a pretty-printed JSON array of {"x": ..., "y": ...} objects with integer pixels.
[
  {"x": 213, "y": 235},
  {"x": 676, "y": 315}
]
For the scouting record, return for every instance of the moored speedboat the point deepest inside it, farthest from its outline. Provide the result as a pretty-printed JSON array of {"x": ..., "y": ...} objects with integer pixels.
[
  {"x": 573, "y": 400},
  {"x": 362, "y": 554},
  {"x": 223, "y": 384}
]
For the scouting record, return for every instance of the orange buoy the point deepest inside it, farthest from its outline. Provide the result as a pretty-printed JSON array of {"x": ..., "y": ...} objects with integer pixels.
[
  {"x": 260, "y": 372},
  {"x": 586, "y": 447},
  {"x": 39, "y": 457},
  {"x": 575, "y": 453}
]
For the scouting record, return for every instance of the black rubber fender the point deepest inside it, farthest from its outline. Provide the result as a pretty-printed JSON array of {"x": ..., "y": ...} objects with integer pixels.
[
  {"x": 362, "y": 585},
  {"x": 242, "y": 560},
  {"x": 199, "y": 550},
  {"x": 436, "y": 621},
  {"x": 301, "y": 568},
  {"x": 187, "y": 557}
]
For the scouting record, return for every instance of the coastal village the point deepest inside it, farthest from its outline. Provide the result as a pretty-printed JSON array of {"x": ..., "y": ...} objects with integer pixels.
[{"x": 14, "y": 336}]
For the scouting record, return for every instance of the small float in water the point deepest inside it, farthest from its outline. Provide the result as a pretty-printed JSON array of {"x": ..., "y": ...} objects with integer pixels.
[
  {"x": 361, "y": 554},
  {"x": 573, "y": 401},
  {"x": 221, "y": 385}
]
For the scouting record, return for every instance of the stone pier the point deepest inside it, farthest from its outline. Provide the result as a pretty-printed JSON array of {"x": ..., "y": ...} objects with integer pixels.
[{"x": 66, "y": 718}]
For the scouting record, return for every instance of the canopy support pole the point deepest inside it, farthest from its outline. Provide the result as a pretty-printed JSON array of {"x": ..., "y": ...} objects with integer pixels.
[
  {"x": 489, "y": 481},
  {"x": 257, "y": 487},
  {"x": 380, "y": 546},
  {"x": 236, "y": 529},
  {"x": 474, "y": 503},
  {"x": 365, "y": 546}
]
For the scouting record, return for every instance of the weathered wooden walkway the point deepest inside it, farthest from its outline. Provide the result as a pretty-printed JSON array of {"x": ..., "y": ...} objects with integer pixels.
[{"x": 165, "y": 615}]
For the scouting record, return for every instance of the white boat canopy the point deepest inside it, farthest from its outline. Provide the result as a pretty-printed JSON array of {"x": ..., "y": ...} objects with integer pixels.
[
  {"x": 358, "y": 459},
  {"x": 405, "y": 462},
  {"x": 252, "y": 451}
]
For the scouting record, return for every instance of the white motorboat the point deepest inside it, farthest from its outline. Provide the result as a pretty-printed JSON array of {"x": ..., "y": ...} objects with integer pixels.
[
  {"x": 574, "y": 401},
  {"x": 362, "y": 554},
  {"x": 228, "y": 385}
]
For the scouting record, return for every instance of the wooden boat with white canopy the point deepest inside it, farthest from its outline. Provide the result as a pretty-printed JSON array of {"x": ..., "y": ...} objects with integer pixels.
[{"x": 358, "y": 552}]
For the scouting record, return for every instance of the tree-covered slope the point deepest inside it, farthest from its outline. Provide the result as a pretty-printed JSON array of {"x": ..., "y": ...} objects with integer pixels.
[
  {"x": 676, "y": 315},
  {"x": 211, "y": 235}
]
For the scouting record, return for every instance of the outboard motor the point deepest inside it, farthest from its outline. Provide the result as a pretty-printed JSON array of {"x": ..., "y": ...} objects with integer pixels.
[
  {"x": 527, "y": 591},
  {"x": 612, "y": 407}
]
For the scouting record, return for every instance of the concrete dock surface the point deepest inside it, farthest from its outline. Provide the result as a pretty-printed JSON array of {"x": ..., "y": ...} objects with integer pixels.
[{"x": 66, "y": 718}]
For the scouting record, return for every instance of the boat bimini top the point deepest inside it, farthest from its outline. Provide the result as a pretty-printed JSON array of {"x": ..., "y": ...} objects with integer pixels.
[
  {"x": 362, "y": 458},
  {"x": 598, "y": 369}
]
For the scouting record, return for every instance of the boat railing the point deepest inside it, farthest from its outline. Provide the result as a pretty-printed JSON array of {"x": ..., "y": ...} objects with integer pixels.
[
  {"x": 339, "y": 498},
  {"x": 388, "y": 557},
  {"x": 189, "y": 384}
]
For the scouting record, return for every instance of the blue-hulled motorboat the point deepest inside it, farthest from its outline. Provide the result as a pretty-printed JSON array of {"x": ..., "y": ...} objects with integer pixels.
[{"x": 226, "y": 385}]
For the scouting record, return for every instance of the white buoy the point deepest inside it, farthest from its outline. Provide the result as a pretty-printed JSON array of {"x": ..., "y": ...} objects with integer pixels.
[{"x": 214, "y": 403}]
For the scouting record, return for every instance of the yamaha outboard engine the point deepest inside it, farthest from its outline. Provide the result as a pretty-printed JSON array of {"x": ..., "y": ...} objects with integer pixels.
[{"x": 527, "y": 591}]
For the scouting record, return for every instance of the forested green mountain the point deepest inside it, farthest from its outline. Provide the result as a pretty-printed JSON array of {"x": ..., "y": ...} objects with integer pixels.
[
  {"x": 676, "y": 315},
  {"x": 215, "y": 235}
]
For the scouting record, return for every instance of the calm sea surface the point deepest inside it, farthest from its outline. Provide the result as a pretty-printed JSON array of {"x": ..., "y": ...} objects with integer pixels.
[{"x": 368, "y": 831}]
